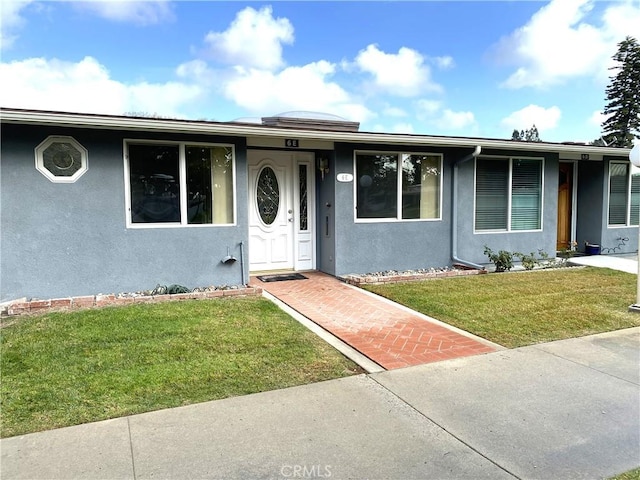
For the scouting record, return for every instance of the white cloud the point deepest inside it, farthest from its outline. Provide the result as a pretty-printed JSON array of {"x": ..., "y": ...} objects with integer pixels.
[
  {"x": 597, "y": 118},
  {"x": 427, "y": 108},
  {"x": 86, "y": 86},
  {"x": 402, "y": 128},
  {"x": 254, "y": 39},
  {"x": 558, "y": 43},
  {"x": 394, "y": 112},
  {"x": 542, "y": 118},
  {"x": 450, "y": 120},
  {"x": 432, "y": 113},
  {"x": 139, "y": 12},
  {"x": 444, "y": 63},
  {"x": 11, "y": 21},
  {"x": 294, "y": 88},
  {"x": 197, "y": 71},
  {"x": 404, "y": 74}
]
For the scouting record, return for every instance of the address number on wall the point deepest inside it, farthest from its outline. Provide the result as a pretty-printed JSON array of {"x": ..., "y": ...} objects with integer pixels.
[{"x": 291, "y": 143}]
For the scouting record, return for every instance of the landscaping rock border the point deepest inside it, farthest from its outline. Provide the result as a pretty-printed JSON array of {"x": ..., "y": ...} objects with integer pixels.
[
  {"x": 25, "y": 307},
  {"x": 379, "y": 278}
]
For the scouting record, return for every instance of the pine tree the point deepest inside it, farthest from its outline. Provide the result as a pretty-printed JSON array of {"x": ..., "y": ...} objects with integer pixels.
[
  {"x": 530, "y": 135},
  {"x": 623, "y": 96}
]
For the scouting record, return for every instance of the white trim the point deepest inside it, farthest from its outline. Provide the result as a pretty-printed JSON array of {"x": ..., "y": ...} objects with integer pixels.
[
  {"x": 510, "y": 190},
  {"x": 574, "y": 196},
  {"x": 182, "y": 172},
  {"x": 307, "y": 159},
  {"x": 398, "y": 218},
  {"x": 291, "y": 179},
  {"x": 112, "y": 122},
  {"x": 50, "y": 140},
  {"x": 628, "y": 223},
  {"x": 574, "y": 203}
]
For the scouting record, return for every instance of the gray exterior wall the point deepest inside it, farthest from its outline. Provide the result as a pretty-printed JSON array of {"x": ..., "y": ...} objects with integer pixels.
[
  {"x": 63, "y": 240},
  {"x": 592, "y": 203},
  {"x": 60, "y": 240},
  {"x": 393, "y": 245},
  {"x": 471, "y": 245},
  {"x": 615, "y": 239},
  {"x": 326, "y": 218},
  {"x": 397, "y": 245}
]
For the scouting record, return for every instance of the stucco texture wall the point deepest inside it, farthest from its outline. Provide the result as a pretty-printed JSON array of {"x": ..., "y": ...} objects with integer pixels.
[
  {"x": 471, "y": 244},
  {"x": 615, "y": 239},
  {"x": 388, "y": 245},
  {"x": 63, "y": 240}
]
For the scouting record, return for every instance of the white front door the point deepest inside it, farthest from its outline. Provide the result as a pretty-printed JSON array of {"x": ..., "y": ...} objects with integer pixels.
[{"x": 281, "y": 211}]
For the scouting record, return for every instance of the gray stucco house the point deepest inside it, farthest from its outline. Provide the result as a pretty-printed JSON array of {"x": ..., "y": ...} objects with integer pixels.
[{"x": 106, "y": 204}]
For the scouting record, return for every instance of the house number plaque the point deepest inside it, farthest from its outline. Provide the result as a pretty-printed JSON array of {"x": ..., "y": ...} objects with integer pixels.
[{"x": 291, "y": 143}]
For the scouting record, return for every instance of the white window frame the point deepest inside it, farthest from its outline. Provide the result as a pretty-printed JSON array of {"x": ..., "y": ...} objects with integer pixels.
[
  {"x": 631, "y": 167},
  {"x": 398, "y": 218},
  {"x": 510, "y": 159},
  {"x": 50, "y": 140},
  {"x": 182, "y": 172}
]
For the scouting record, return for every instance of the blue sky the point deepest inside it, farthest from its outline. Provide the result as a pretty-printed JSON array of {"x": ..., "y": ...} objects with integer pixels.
[{"x": 444, "y": 68}]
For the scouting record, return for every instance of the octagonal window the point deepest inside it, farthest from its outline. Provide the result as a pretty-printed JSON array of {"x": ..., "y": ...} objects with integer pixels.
[{"x": 61, "y": 159}]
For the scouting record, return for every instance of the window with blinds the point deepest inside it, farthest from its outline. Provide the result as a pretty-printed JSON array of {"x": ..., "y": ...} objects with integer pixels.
[
  {"x": 624, "y": 194},
  {"x": 508, "y": 194}
]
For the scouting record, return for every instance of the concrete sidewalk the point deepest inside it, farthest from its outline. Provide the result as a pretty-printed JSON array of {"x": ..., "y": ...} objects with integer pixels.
[
  {"x": 567, "y": 409},
  {"x": 623, "y": 263}
]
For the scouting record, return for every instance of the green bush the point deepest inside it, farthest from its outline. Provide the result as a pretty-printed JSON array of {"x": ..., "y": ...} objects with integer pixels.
[
  {"x": 528, "y": 260},
  {"x": 503, "y": 260}
]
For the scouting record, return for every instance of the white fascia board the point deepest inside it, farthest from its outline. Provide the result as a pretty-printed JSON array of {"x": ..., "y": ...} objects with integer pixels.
[{"x": 78, "y": 120}]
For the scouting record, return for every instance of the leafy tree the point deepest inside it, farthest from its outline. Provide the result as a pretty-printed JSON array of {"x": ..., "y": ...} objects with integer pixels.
[
  {"x": 623, "y": 96},
  {"x": 530, "y": 135}
]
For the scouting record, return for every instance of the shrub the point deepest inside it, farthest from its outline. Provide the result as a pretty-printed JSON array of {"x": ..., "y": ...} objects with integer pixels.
[
  {"x": 528, "y": 260},
  {"x": 503, "y": 260}
]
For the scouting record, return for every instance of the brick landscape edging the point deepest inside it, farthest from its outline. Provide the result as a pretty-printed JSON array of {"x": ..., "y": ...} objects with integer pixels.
[
  {"x": 359, "y": 280},
  {"x": 75, "y": 303}
]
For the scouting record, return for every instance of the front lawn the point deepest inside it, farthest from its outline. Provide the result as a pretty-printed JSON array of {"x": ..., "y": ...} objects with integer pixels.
[
  {"x": 523, "y": 308},
  {"x": 63, "y": 369}
]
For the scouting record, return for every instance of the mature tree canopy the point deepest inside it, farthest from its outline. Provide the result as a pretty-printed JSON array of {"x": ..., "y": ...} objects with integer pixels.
[
  {"x": 530, "y": 135},
  {"x": 623, "y": 97}
]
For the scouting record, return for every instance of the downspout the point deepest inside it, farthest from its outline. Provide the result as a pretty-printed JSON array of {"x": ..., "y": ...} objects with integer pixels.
[{"x": 454, "y": 213}]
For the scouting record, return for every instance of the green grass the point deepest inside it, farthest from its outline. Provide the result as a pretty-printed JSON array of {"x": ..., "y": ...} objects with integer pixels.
[
  {"x": 63, "y": 369},
  {"x": 630, "y": 475},
  {"x": 524, "y": 308}
]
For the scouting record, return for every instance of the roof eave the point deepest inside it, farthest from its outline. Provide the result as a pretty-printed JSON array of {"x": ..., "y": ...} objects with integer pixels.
[{"x": 79, "y": 120}]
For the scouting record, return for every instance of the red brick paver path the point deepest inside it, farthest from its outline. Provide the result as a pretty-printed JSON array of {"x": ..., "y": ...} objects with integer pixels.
[{"x": 387, "y": 334}]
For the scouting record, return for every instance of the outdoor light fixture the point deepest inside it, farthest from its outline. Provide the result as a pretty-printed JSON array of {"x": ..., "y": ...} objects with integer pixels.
[
  {"x": 634, "y": 158},
  {"x": 323, "y": 166}
]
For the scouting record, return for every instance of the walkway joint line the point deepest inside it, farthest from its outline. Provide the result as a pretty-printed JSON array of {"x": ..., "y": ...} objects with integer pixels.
[
  {"x": 133, "y": 458},
  {"x": 468, "y": 445}
]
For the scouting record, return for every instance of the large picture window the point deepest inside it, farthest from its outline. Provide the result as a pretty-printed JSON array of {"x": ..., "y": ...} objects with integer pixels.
[
  {"x": 624, "y": 194},
  {"x": 508, "y": 194},
  {"x": 398, "y": 186},
  {"x": 180, "y": 184}
]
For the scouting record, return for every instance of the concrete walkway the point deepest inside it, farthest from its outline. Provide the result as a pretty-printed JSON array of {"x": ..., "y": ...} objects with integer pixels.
[
  {"x": 387, "y": 333},
  {"x": 566, "y": 409},
  {"x": 626, "y": 263}
]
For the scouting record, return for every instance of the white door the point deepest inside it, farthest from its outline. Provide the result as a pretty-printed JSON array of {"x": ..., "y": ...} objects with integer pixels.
[{"x": 280, "y": 211}]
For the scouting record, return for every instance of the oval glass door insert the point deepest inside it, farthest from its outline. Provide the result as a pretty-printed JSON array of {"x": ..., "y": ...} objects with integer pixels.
[{"x": 268, "y": 195}]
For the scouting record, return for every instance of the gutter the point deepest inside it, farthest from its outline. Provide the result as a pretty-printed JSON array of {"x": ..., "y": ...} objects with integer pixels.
[
  {"x": 115, "y": 122},
  {"x": 454, "y": 211}
]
